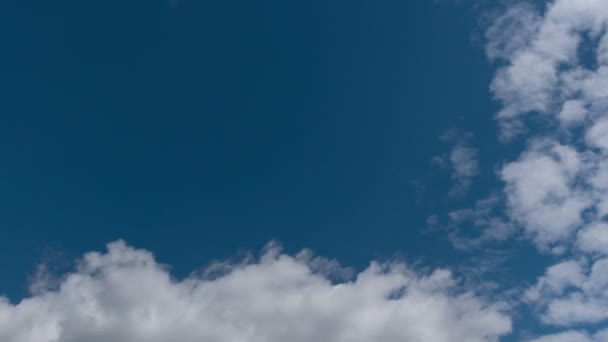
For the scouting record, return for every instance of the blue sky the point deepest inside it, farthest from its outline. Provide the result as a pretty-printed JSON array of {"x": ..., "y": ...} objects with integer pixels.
[{"x": 458, "y": 147}]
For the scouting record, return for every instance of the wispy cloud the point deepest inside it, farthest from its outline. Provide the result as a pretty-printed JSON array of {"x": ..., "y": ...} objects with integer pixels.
[{"x": 462, "y": 160}]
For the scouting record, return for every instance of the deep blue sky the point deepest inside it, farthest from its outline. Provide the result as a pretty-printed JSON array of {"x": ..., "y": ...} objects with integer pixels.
[{"x": 197, "y": 129}]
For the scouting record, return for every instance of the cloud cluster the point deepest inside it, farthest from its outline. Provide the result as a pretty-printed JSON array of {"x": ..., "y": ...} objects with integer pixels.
[
  {"x": 124, "y": 295},
  {"x": 545, "y": 74},
  {"x": 570, "y": 293},
  {"x": 552, "y": 82},
  {"x": 559, "y": 184}
]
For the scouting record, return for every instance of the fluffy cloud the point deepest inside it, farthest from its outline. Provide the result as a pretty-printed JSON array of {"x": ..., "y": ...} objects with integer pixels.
[
  {"x": 571, "y": 293},
  {"x": 572, "y": 112},
  {"x": 543, "y": 68},
  {"x": 594, "y": 238},
  {"x": 541, "y": 193},
  {"x": 124, "y": 295},
  {"x": 559, "y": 184},
  {"x": 552, "y": 82},
  {"x": 556, "y": 280}
]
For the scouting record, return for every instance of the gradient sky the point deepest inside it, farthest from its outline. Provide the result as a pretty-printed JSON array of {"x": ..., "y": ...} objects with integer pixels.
[
  {"x": 362, "y": 130},
  {"x": 202, "y": 128}
]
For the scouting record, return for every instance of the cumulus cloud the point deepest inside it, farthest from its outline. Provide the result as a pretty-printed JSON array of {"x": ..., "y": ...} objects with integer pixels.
[
  {"x": 541, "y": 192},
  {"x": 559, "y": 184},
  {"x": 557, "y": 279},
  {"x": 572, "y": 293},
  {"x": 543, "y": 69},
  {"x": 572, "y": 112},
  {"x": 594, "y": 238},
  {"x": 124, "y": 295},
  {"x": 552, "y": 84}
]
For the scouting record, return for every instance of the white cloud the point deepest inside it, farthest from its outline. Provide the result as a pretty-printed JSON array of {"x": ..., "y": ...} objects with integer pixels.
[
  {"x": 541, "y": 55},
  {"x": 557, "y": 189},
  {"x": 124, "y": 295},
  {"x": 556, "y": 280},
  {"x": 559, "y": 178},
  {"x": 573, "y": 111},
  {"x": 593, "y": 238},
  {"x": 597, "y": 135},
  {"x": 540, "y": 192},
  {"x": 525, "y": 86},
  {"x": 512, "y": 31},
  {"x": 571, "y": 293}
]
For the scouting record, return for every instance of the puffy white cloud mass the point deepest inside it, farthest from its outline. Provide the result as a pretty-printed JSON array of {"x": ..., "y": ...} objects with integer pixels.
[
  {"x": 124, "y": 295},
  {"x": 544, "y": 71},
  {"x": 541, "y": 191},
  {"x": 552, "y": 82},
  {"x": 594, "y": 238},
  {"x": 571, "y": 293},
  {"x": 559, "y": 184}
]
